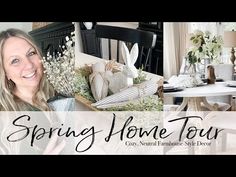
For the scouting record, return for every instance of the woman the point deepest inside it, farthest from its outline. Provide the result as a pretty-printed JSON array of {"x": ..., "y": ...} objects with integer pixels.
[
  {"x": 23, "y": 86},
  {"x": 22, "y": 82}
]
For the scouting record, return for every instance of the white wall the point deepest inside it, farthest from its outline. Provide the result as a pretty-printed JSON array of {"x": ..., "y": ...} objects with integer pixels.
[
  {"x": 78, "y": 40},
  {"x": 25, "y": 26}
]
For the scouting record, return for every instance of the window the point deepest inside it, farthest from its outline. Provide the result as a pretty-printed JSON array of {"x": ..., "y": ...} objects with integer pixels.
[{"x": 216, "y": 28}]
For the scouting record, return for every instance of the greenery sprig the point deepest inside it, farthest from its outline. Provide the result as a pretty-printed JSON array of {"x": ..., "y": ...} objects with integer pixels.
[
  {"x": 82, "y": 86},
  {"x": 150, "y": 103},
  {"x": 141, "y": 76}
]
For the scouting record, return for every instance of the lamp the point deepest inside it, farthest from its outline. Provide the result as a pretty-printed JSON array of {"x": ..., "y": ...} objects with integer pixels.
[{"x": 230, "y": 41}]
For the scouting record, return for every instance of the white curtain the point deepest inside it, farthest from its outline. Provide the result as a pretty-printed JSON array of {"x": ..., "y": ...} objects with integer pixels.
[{"x": 174, "y": 47}]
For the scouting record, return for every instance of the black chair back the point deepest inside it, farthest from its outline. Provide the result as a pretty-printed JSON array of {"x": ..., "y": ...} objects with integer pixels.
[{"x": 146, "y": 41}]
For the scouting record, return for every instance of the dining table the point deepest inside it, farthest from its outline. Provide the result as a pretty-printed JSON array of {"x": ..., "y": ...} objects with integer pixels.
[{"x": 195, "y": 96}]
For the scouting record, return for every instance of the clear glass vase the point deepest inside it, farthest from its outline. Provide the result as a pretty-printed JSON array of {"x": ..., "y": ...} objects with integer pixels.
[
  {"x": 192, "y": 69},
  {"x": 194, "y": 78}
]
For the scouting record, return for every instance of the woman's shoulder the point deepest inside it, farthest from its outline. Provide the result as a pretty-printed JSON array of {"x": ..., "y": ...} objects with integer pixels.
[
  {"x": 32, "y": 108},
  {"x": 23, "y": 106}
]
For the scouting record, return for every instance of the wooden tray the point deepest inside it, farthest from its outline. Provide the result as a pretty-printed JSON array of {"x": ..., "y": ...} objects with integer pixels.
[
  {"x": 88, "y": 103},
  {"x": 85, "y": 102}
]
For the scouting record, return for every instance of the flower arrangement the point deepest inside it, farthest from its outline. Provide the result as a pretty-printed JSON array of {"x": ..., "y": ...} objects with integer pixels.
[
  {"x": 60, "y": 69},
  {"x": 204, "y": 45}
]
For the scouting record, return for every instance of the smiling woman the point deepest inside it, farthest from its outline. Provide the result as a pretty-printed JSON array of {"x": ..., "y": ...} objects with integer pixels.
[
  {"x": 22, "y": 82},
  {"x": 23, "y": 86}
]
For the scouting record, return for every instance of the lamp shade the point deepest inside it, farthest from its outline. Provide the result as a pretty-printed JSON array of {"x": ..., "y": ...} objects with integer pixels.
[{"x": 230, "y": 38}]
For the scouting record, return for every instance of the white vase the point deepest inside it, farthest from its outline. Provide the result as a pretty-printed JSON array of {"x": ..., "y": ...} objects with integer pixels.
[{"x": 88, "y": 25}]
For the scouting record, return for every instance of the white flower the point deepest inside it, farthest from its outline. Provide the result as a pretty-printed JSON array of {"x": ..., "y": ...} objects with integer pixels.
[
  {"x": 60, "y": 69},
  {"x": 207, "y": 33},
  {"x": 204, "y": 45},
  {"x": 198, "y": 33}
]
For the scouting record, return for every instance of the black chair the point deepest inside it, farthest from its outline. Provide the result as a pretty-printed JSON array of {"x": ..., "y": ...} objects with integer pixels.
[{"x": 146, "y": 41}]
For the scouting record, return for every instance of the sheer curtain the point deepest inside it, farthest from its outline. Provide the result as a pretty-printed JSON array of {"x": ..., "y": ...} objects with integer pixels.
[{"x": 174, "y": 47}]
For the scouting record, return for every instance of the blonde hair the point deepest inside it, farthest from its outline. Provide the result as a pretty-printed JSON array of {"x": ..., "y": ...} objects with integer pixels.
[{"x": 9, "y": 102}]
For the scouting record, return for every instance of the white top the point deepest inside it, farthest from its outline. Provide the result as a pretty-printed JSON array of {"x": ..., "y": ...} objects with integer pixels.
[{"x": 217, "y": 89}]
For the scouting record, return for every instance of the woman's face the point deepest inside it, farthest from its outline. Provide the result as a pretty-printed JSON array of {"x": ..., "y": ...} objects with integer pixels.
[{"x": 22, "y": 63}]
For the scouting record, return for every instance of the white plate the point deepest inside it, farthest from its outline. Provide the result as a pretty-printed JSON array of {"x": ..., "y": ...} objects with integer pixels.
[
  {"x": 202, "y": 84},
  {"x": 231, "y": 83},
  {"x": 175, "y": 89},
  {"x": 168, "y": 86}
]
